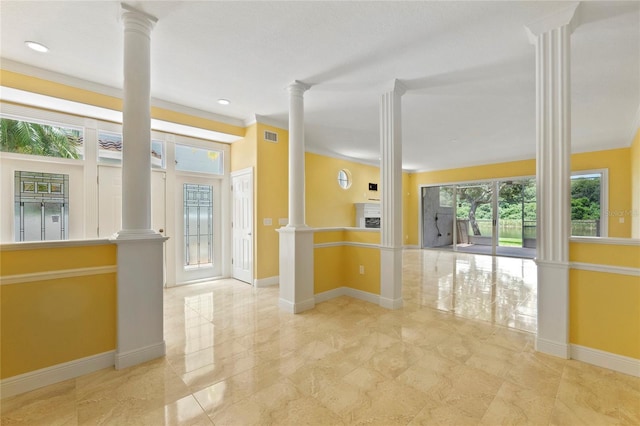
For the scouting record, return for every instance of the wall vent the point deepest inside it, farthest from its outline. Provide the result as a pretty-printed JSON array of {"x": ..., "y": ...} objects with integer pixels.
[{"x": 270, "y": 136}]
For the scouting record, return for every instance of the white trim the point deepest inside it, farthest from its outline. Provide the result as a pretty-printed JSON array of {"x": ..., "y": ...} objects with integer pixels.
[
  {"x": 410, "y": 246},
  {"x": 55, "y": 275},
  {"x": 604, "y": 196},
  {"x": 549, "y": 347},
  {"x": 347, "y": 291},
  {"x": 269, "y": 121},
  {"x": 329, "y": 294},
  {"x": 34, "y": 245},
  {"x": 346, "y": 243},
  {"x": 362, "y": 295},
  {"x": 294, "y": 308},
  {"x": 387, "y": 303},
  {"x": 138, "y": 356},
  {"x": 622, "y": 270},
  {"x": 21, "y": 68},
  {"x": 346, "y": 228},
  {"x": 620, "y": 363},
  {"x": 266, "y": 282},
  {"x": 551, "y": 264},
  {"x": 57, "y": 373},
  {"x": 608, "y": 241}
]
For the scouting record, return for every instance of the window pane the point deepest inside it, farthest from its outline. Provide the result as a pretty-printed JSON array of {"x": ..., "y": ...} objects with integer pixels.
[
  {"x": 585, "y": 205},
  {"x": 198, "y": 226},
  {"x": 190, "y": 159},
  {"x": 110, "y": 150},
  {"x": 25, "y": 137}
]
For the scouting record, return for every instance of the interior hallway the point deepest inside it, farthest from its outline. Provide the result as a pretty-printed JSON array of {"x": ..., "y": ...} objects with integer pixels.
[{"x": 452, "y": 355}]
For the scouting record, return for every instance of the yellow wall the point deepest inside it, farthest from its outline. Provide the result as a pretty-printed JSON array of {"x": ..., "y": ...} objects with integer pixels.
[
  {"x": 48, "y": 322},
  {"x": 604, "y": 308},
  {"x": 615, "y": 160},
  {"x": 272, "y": 195},
  {"x": 327, "y": 204},
  {"x": 339, "y": 266},
  {"x": 635, "y": 186},
  {"x": 244, "y": 152}
]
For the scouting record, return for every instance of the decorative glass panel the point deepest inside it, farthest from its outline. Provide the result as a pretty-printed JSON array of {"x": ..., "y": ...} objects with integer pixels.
[
  {"x": 25, "y": 137},
  {"x": 198, "y": 225},
  {"x": 41, "y": 206},
  {"x": 190, "y": 159}
]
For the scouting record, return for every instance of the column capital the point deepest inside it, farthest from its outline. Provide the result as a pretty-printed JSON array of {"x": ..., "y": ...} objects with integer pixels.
[
  {"x": 298, "y": 88},
  {"x": 397, "y": 87},
  {"x": 569, "y": 15},
  {"x": 137, "y": 20}
]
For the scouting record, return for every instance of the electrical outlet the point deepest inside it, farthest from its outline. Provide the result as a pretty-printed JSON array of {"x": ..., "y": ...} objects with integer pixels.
[
  {"x": 621, "y": 220},
  {"x": 361, "y": 269}
]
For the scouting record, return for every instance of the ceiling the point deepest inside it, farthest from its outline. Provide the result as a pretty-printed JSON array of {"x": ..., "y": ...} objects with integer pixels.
[{"x": 469, "y": 68}]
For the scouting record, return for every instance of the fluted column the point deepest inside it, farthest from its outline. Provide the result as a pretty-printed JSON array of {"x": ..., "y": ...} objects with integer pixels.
[
  {"x": 391, "y": 197},
  {"x": 551, "y": 37},
  {"x": 296, "y": 239},
  {"x": 140, "y": 334}
]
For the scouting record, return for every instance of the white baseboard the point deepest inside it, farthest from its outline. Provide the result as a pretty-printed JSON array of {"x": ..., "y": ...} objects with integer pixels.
[
  {"x": 362, "y": 295},
  {"x": 57, "y": 373},
  {"x": 347, "y": 291},
  {"x": 328, "y": 295},
  {"x": 296, "y": 308},
  {"x": 390, "y": 303},
  {"x": 138, "y": 356},
  {"x": 561, "y": 350},
  {"x": 620, "y": 363},
  {"x": 266, "y": 282}
]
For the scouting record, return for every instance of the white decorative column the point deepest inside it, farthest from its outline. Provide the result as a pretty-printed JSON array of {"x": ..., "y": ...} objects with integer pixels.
[
  {"x": 551, "y": 37},
  {"x": 296, "y": 239},
  {"x": 140, "y": 259},
  {"x": 391, "y": 197}
]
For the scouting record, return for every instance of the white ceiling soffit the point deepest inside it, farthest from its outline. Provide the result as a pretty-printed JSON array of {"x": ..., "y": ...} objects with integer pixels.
[
  {"x": 9, "y": 94},
  {"x": 468, "y": 65}
]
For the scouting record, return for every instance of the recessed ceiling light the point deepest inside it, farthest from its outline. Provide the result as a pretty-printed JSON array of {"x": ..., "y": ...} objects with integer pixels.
[
  {"x": 38, "y": 47},
  {"x": 224, "y": 101}
]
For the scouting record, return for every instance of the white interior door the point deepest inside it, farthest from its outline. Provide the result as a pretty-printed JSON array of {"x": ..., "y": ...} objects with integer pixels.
[{"x": 242, "y": 225}]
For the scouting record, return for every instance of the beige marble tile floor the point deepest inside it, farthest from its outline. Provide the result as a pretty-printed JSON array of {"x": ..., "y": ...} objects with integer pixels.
[{"x": 459, "y": 352}]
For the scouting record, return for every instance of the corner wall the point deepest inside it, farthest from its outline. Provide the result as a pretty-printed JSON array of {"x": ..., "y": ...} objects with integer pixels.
[{"x": 635, "y": 186}]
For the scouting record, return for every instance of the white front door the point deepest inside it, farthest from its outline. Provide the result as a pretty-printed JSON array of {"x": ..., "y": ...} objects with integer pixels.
[
  {"x": 242, "y": 225},
  {"x": 198, "y": 236}
]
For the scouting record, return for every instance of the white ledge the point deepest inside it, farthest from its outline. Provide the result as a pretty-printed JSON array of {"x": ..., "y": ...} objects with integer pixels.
[
  {"x": 34, "y": 245},
  {"x": 346, "y": 228},
  {"x": 606, "y": 240}
]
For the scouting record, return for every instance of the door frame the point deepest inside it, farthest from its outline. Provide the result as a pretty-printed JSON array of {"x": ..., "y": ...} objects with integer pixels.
[{"x": 237, "y": 173}]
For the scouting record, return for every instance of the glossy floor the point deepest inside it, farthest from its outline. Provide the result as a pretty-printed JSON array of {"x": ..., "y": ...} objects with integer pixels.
[{"x": 451, "y": 355}]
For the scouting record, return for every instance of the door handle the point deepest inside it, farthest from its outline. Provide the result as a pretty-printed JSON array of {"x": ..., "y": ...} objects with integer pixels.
[{"x": 249, "y": 233}]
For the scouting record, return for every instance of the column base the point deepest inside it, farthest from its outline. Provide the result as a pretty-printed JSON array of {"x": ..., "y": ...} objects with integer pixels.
[
  {"x": 296, "y": 269},
  {"x": 140, "y": 300},
  {"x": 391, "y": 277},
  {"x": 553, "y": 308}
]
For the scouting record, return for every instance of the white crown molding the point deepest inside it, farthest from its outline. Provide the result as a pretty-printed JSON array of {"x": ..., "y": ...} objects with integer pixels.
[
  {"x": 263, "y": 119},
  {"x": 331, "y": 154},
  {"x": 78, "y": 83}
]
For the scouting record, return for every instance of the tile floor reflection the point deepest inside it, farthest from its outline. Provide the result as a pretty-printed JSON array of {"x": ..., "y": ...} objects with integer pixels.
[{"x": 454, "y": 354}]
